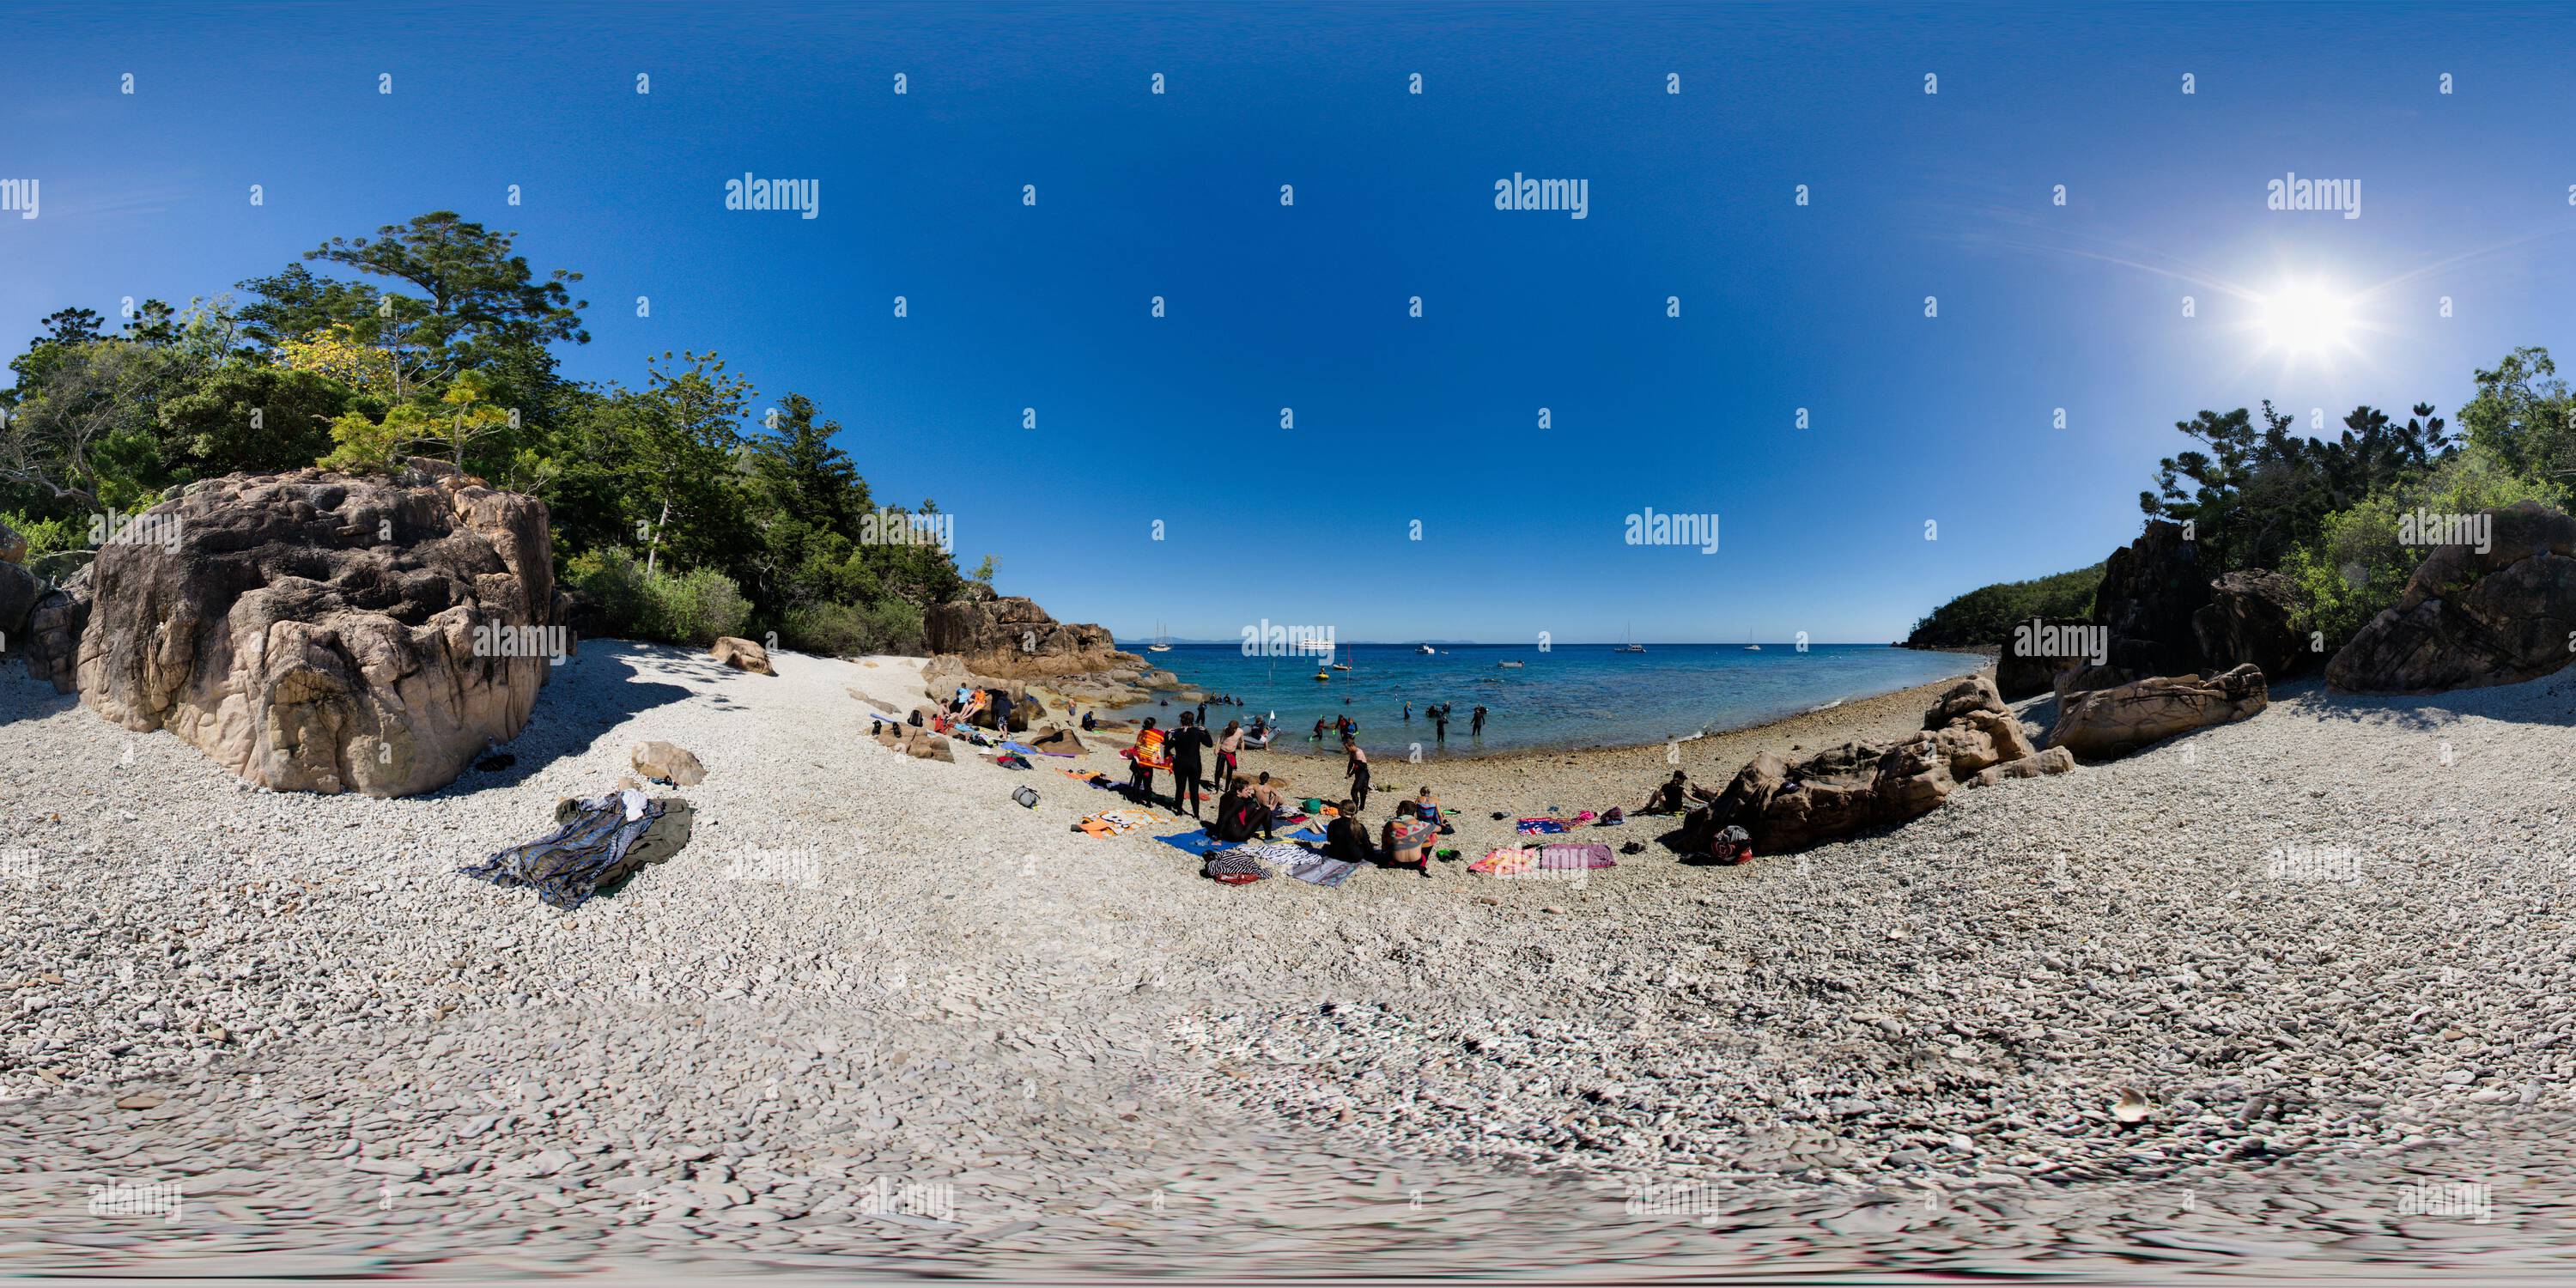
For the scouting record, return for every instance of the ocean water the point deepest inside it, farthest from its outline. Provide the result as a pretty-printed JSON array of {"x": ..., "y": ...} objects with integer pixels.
[{"x": 1574, "y": 695}]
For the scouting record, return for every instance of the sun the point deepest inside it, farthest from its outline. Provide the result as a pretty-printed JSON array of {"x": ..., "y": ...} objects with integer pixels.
[{"x": 2305, "y": 318}]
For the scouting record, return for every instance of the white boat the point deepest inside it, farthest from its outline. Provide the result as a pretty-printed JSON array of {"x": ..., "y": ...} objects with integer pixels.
[
  {"x": 1632, "y": 646},
  {"x": 1342, "y": 666},
  {"x": 1162, "y": 640},
  {"x": 1425, "y": 649},
  {"x": 1752, "y": 648},
  {"x": 1314, "y": 646}
]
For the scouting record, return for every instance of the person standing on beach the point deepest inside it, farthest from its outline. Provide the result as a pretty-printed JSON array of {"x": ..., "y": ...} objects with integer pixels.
[
  {"x": 1188, "y": 771},
  {"x": 1229, "y": 745},
  {"x": 1147, "y": 752},
  {"x": 1477, "y": 729},
  {"x": 1356, "y": 769}
]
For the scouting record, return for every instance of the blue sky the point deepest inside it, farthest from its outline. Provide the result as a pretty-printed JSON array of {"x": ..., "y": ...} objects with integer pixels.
[{"x": 1397, "y": 419}]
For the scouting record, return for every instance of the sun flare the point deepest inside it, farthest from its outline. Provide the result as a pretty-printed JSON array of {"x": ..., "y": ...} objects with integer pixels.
[{"x": 2306, "y": 318}]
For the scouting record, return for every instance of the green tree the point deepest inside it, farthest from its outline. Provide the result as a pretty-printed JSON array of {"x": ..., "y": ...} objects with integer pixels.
[{"x": 2524, "y": 416}]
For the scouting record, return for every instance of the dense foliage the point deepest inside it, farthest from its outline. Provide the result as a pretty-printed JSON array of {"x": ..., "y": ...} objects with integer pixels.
[
  {"x": 1986, "y": 615},
  {"x": 676, "y": 512}
]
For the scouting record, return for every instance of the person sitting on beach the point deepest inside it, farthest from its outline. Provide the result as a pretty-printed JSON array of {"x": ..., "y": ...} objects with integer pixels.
[
  {"x": 1239, "y": 814},
  {"x": 1088, "y": 723},
  {"x": 1347, "y": 838},
  {"x": 1428, "y": 807},
  {"x": 1675, "y": 796},
  {"x": 1271, "y": 803},
  {"x": 1405, "y": 838}
]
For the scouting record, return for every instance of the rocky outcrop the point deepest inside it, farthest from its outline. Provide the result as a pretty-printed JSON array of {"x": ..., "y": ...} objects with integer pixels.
[
  {"x": 2248, "y": 621},
  {"x": 1788, "y": 805},
  {"x": 741, "y": 655},
  {"x": 2151, "y": 589},
  {"x": 13, "y": 547},
  {"x": 2033, "y": 658},
  {"x": 19, "y": 591},
  {"x": 920, "y": 744},
  {"x": 329, "y": 633},
  {"x": 2055, "y": 760},
  {"x": 2469, "y": 619},
  {"x": 2116, "y": 721},
  {"x": 1012, "y": 638},
  {"x": 54, "y": 629}
]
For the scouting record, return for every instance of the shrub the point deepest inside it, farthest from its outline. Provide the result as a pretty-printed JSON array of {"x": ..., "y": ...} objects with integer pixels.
[
  {"x": 848, "y": 630},
  {"x": 47, "y": 536},
  {"x": 681, "y": 608},
  {"x": 2356, "y": 566}
]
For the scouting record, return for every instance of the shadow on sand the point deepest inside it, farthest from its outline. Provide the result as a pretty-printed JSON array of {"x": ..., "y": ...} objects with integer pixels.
[{"x": 608, "y": 683}]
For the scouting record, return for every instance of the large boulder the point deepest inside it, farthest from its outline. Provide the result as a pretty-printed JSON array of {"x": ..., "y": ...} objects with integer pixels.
[
  {"x": 54, "y": 629},
  {"x": 667, "y": 761},
  {"x": 1013, "y": 638},
  {"x": 2055, "y": 760},
  {"x": 2039, "y": 651},
  {"x": 741, "y": 655},
  {"x": 329, "y": 633},
  {"x": 13, "y": 547},
  {"x": 2116, "y": 721},
  {"x": 2151, "y": 589},
  {"x": 19, "y": 591},
  {"x": 1791, "y": 804},
  {"x": 2469, "y": 619},
  {"x": 2248, "y": 621}
]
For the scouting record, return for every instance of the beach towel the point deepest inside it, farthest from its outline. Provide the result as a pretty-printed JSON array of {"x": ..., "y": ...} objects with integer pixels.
[
  {"x": 1148, "y": 750},
  {"x": 1311, "y": 836},
  {"x": 1233, "y": 867},
  {"x": 1119, "y": 822},
  {"x": 1572, "y": 858},
  {"x": 597, "y": 841},
  {"x": 1315, "y": 869},
  {"x": 1273, "y": 852},
  {"x": 1027, "y": 750},
  {"x": 1199, "y": 843},
  {"x": 1288, "y": 820},
  {"x": 1504, "y": 863},
  {"x": 1541, "y": 826},
  {"x": 1009, "y": 760}
]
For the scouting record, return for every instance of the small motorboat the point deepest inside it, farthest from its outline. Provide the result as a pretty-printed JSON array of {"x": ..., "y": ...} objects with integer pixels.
[
  {"x": 1425, "y": 649},
  {"x": 1509, "y": 665}
]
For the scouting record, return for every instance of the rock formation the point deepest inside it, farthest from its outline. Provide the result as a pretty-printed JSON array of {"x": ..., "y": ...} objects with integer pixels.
[
  {"x": 2019, "y": 675},
  {"x": 2248, "y": 620},
  {"x": 329, "y": 633},
  {"x": 54, "y": 633},
  {"x": 2116, "y": 721},
  {"x": 2468, "y": 619},
  {"x": 2151, "y": 588},
  {"x": 2055, "y": 760},
  {"x": 1012, "y": 638},
  {"x": 1788, "y": 805},
  {"x": 13, "y": 547},
  {"x": 742, "y": 655}
]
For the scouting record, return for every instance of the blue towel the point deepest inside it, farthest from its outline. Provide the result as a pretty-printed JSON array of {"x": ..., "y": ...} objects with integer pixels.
[
  {"x": 1311, "y": 835},
  {"x": 1194, "y": 843}
]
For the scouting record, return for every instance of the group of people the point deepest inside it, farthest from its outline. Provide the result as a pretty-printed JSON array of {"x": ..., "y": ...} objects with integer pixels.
[
  {"x": 1438, "y": 714},
  {"x": 1186, "y": 750},
  {"x": 968, "y": 702}
]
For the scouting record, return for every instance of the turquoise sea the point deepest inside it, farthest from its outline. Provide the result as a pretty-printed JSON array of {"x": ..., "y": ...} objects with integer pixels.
[{"x": 1573, "y": 695}]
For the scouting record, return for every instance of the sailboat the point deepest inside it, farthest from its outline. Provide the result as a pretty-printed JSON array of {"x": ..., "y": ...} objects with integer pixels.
[
  {"x": 1162, "y": 640},
  {"x": 1632, "y": 646},
  {"x": 1749, "y": 645}
]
